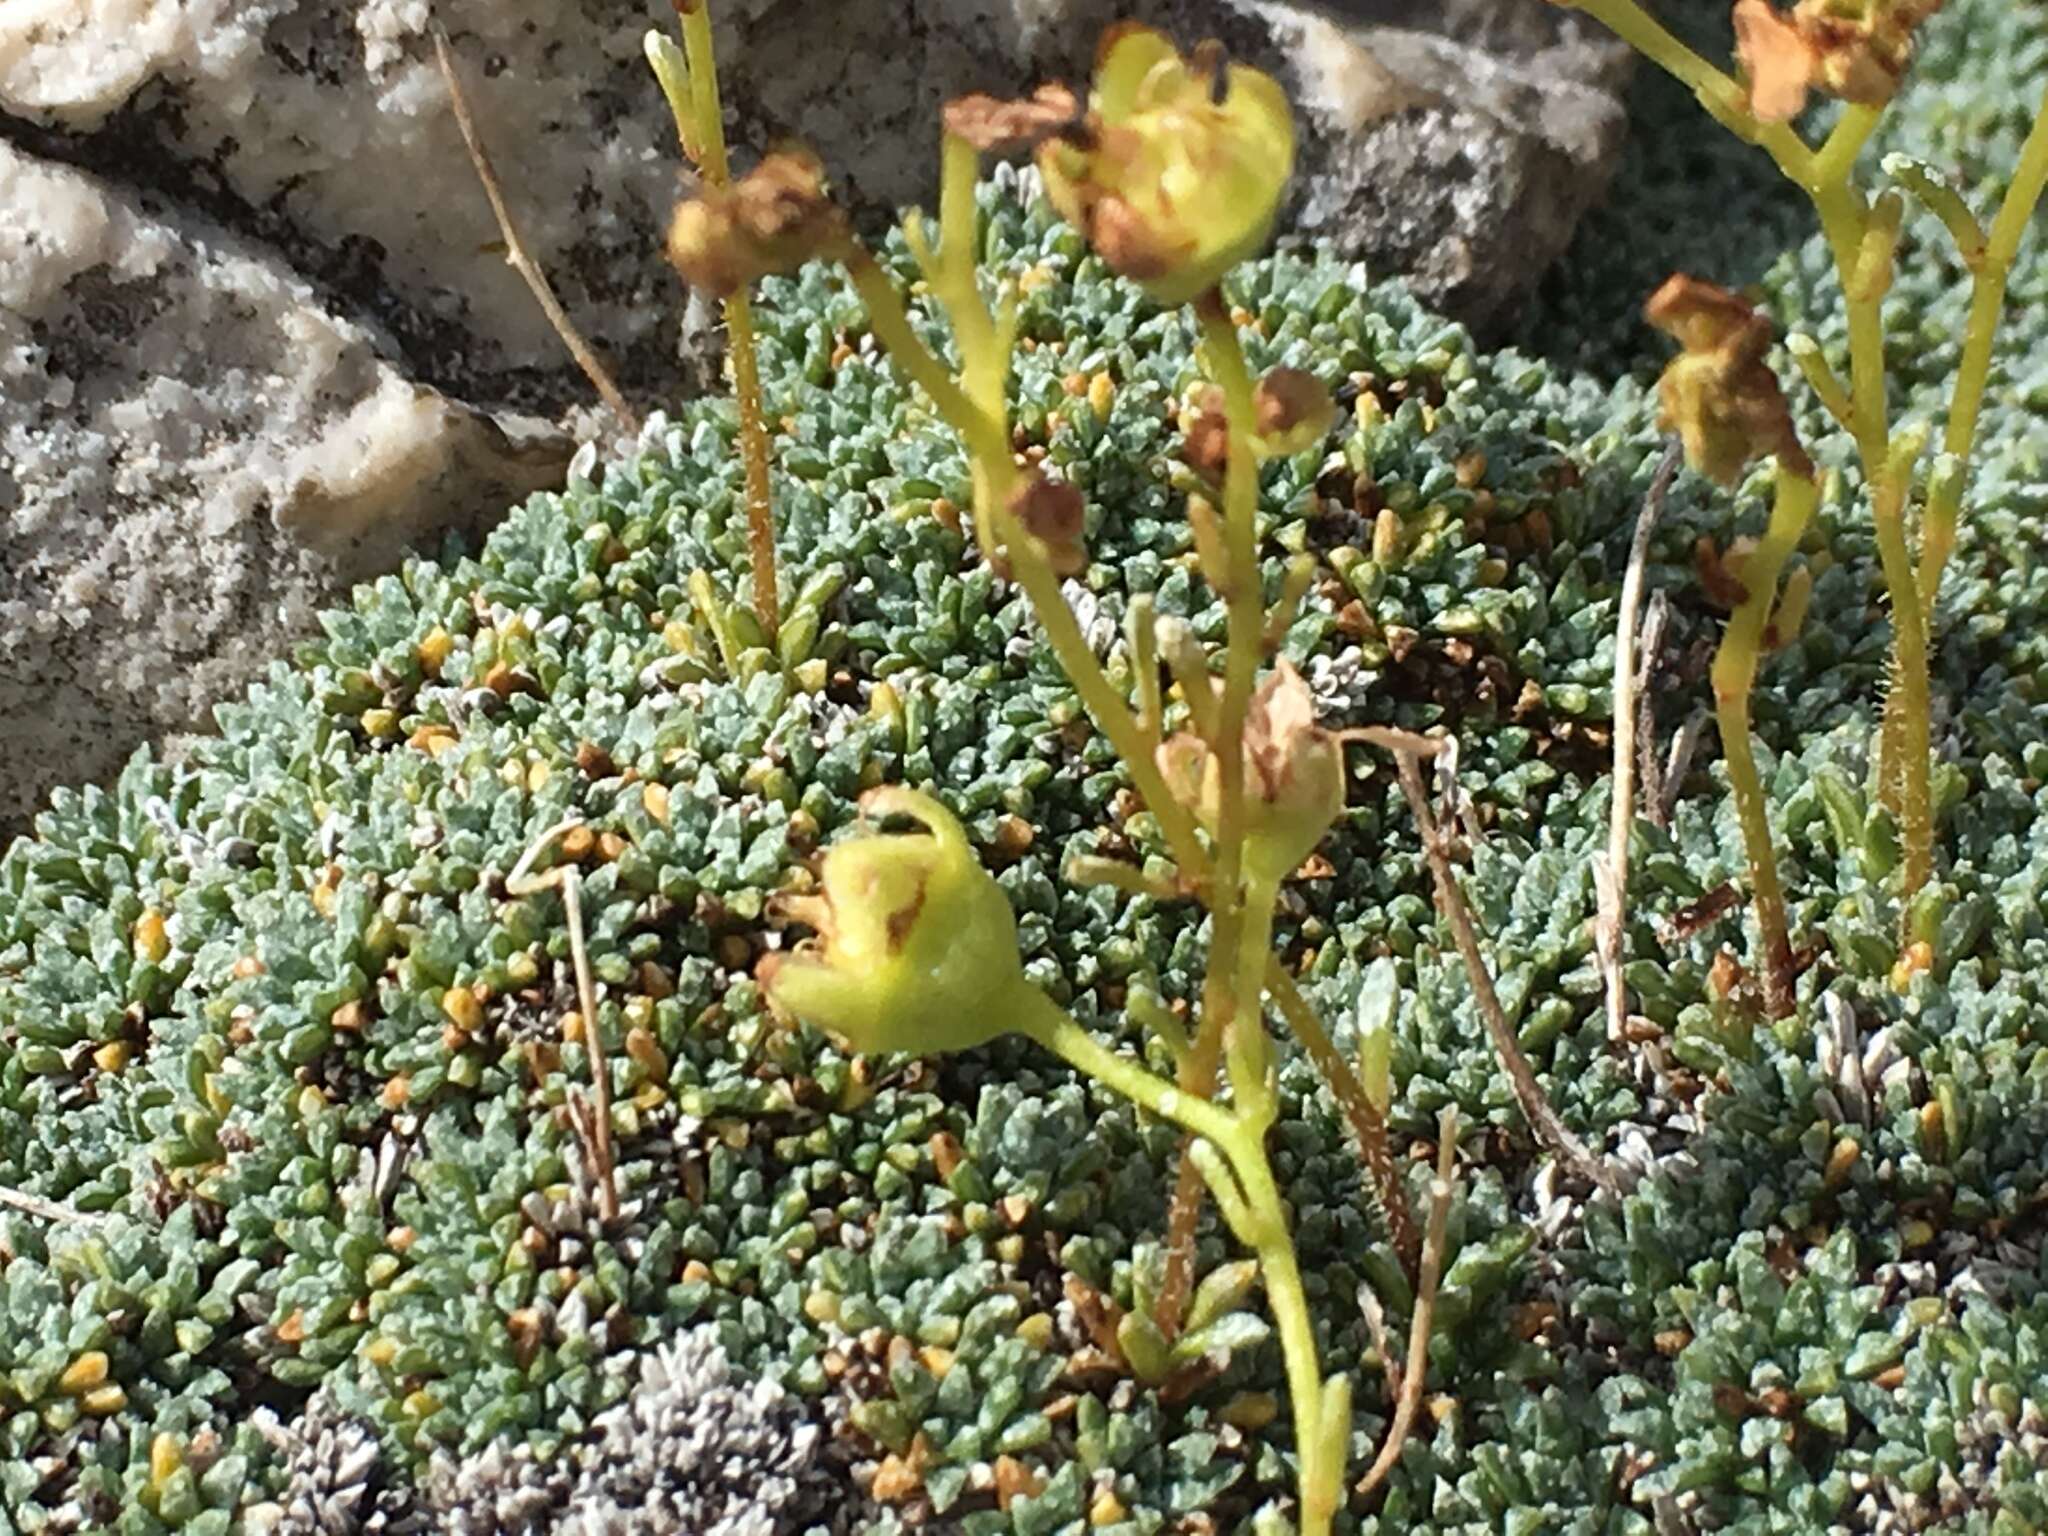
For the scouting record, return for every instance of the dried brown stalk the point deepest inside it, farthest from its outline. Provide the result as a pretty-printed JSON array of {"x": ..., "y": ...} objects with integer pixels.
[
  {"x": 596, "y": 1129},
  {"x": 1610, "y": 875},
  {"x": 1416, "y": 1368},
  {"x": 1409, "y": 750},
  {"x": 516, "y": 254},
  {"x": 1367, "y": 1123}
]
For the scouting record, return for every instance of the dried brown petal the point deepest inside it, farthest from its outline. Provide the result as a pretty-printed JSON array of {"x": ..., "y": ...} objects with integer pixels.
[
  {"x": 1781, "y": 63},
  {"x": 1719, "y": 393},
  {"x": 990, "y": 124}
]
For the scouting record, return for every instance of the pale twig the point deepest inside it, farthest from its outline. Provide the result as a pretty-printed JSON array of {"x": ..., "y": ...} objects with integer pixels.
[
  {"x": 1409, "y": 750},
  {"x": 599, "y": 1140},
  {"x": 49, "y": 1210},
  {"x": 516, "y": 255},
  {"x": 1416, "y": 1367},
  {"x": 1610, "y": 874}
]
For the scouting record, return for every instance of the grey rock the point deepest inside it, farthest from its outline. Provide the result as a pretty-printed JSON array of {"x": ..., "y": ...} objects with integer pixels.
[
  {"x": 195, "y": 455},
  {"x": 1457, "y": 140}
]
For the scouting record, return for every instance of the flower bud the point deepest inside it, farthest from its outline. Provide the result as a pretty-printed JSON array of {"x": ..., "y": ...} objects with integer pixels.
[
  {"x": 1294, "y": 411},
  {"x": 1719, "y": 394},
  {"x": 1294, "y": 776},
  {"x": 1177, "y": 171},
  {"x": 917, "y": 947},
  {"x": 773, "y": 219},
  {"x": 1053, "y": 512}
]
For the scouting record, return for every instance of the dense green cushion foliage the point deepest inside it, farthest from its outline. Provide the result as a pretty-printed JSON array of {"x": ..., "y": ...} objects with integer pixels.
[{"x": 1774, "y": 1332}]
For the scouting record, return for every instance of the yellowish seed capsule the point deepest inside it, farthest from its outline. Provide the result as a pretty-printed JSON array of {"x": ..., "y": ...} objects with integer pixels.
[
  {"x": 152, "y": 943},
  {"x": 537, "y": 778},
  {"x": 166, "y": 1455},
  {"x": 89, "y": 1370},
  {"x": 419, "y": 1404},
  {"x": 312, "y": 1102},
  {"x": 654, "y": 798},
  {"x": 1101, "y": 394},
  {"x": 381, "y": 1350},
  {"x": 1107, "y": 1509},
  {"x": 380, "y": 724},
  {"x": 610, "y": 846},
  {"x": 433, "y": 650},
  {"x": 112, "y": 1056},
  {"x": 464, "y": 1011},
  {"x": 1036, "y": 1330},
  {"x": 102, "y": 1401}
]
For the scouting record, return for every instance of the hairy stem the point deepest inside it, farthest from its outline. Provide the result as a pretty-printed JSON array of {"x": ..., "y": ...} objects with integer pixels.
[
  {"x": 700, "y": 123},
  {"x": 1846, "y": 225}
]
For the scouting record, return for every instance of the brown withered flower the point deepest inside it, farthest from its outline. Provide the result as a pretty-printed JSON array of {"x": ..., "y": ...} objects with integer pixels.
[
  {"x": 1293, "y": 411},
  {"x": 1719, "y": 393},
  {"x": 990, "y": 124},
  {"x": 1856, "y": 50},
  {"x": 1054, "y": 513},
  {"x": 773, "y": 219}
]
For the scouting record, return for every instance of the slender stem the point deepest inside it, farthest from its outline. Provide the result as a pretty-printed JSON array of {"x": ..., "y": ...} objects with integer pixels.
[
  {"x": 1222, "y": 1001},
  {"x": 1833, "y": 163},
  {"x": 982, "y": 433},
  {"x": 705, "y": 143},
  {"x": 1243, "y": 601},
  {"x": 1973, "y": 372},
  {"x": 1367, "y": 1123},
  {"x": 1551, "y": 1131},
  {"x": 1249, "y": 1048},
  {"x": 1288, "y": 1299},
  {"x": 1037, "y": 1016},
  {"x": 1735, "y": 668}
]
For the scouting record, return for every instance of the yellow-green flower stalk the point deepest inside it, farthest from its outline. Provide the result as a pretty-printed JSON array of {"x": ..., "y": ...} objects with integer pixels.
[{"x": 1721, "y": 397}]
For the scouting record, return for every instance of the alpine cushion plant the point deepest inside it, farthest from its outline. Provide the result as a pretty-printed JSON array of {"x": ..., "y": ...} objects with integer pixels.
[{"x": 300, "y": 1217}]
